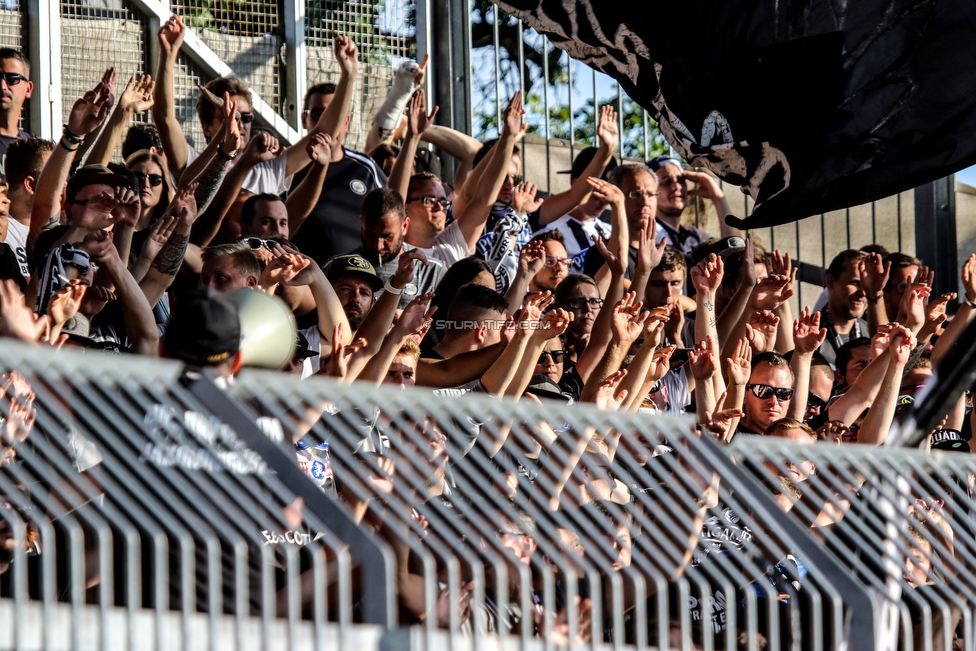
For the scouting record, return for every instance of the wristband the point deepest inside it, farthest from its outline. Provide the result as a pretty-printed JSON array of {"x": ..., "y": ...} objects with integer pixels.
[
  {"x": 70, "y": 137},
  {"x": 66, "y": 147},
  {"x": 393, "y": 290},
  {"x": 225, "y": 156},
  {"x": 968, "y": 302},
  {"x": 876, "y": 298}
]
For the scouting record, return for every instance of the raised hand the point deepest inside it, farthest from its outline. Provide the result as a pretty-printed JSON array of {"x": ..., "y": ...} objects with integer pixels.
[
  {"x": 138, "y": 95},
  {"x": 263, "y": 147},
  {"x": 913, "y": 304},
  {"x": 66, "y": 302},
  {"x": 159, "y": 233},
  {"x": 606, "y": 396},
  {"x": 523, "y": 199},
  {"x": 347, "y": 55},
  {"x": 616, "y": 263},
  {"x": 902, "y": 341},
  {"x": 128, "y": 209},
  {"x": 874, "y": 276},
  {"x": 747, "y": 272},
  {"x": 90, "y": 110},
  {"x": 761, "y": 331},
  {"x": 319, "y": 148},
  {"x": 230, "y": 130},
  {"x": 703, "y": 360},
  {"x": 95, "y": 300},
  {"x": 171, "y": 36},
  {"x": 283, "y": 268},
  {"x": 99, "y": 213},
  {"x": 532, "y": 258},
  {"x": 417, "y": 118},
  {"x": 405, "y": 267},
  {"x": 416, "y": 317},
  {"x": 534, "y": 306},
  {"x": 660, "y": 363},
  {"x": 606, "y": 192},
  {"x": 881, "y": 338},
  {"x": 606, "y": 129},
  {"x": 99, "y": 246},
  {"x": 628, "y": 320},
  {"x": 16, "y": 319},
  {"x": 771, "y": 292},
  {"x": 553, "y": 324},
  {"x": 649, "y": 251},
  {"x": 706, "y": 185},
  {"x": 513, "y": 116},
  {"x": 719, "y": 423},
  {"x": 807, "y": 333},
  {"x": 675, "y": 324},
  {"x": 339, "y": 362},
  {"x": 706, "y": 276},
  {"x": 935, "y": 314},
  {"x": 739, "y": 366},
  {"x": 969, "y": 277}
]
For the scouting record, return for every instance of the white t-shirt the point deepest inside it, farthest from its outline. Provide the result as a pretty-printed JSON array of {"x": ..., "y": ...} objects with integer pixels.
[
  {"x": 449, "y": 246},
  {"x": 267, "y": 176},
  {"x": 17, "y": 241},
  {"x": 311, "y": 365}
]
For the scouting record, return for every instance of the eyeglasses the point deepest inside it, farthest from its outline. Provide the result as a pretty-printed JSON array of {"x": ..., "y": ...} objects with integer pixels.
[
  {"x": 12, "y": 78},
  {"x": 813, "y": 400},
  {"x": 552, "y": 261},
  {"x": 558, "y": 356},
  {"x": 581, "y": 303},
  {"x": 430, "y": 202},
  {"x": 155, "y": 180},
  {"x": 246, "y": 117},
  {"x": 314, "y": 113},
  {"x": 765, "y": 392},
  {"x": 642, "y": 194},
  {"x": 500, "y": 533},
  {"x": 256, "y": 243}
]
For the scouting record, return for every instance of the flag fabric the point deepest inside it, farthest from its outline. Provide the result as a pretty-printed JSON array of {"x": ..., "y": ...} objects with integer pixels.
[{"x": 808, "y": 105}]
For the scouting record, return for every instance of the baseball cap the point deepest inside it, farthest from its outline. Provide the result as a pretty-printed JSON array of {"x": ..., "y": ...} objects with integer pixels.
[
  {"x": 302, "y": 348},
  {"x": 544, "y": 388},
  {"x": 658, "y": 162},
  {"x": 94, "y": 175},
  {"x": 727, "y": 245},
  {"x": 582, "y": 161},
  {"x": 352, "y": 264},
  {"x": 205, "y": 328},
  {"x": 950, "y": 440}
]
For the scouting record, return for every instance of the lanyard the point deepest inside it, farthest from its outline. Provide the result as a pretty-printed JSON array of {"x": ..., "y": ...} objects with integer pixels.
[{"x": 832, "y": 336}]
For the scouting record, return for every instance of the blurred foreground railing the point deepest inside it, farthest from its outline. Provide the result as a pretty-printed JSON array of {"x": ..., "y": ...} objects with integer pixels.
[{"x": 146, "y": 509}]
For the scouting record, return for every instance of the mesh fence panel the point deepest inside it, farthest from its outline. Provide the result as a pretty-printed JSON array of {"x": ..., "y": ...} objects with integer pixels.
[
  {"x": 11, "y": 24},
  {"x": 384, "y": 34},
  {"x": 186, "y": 78}
]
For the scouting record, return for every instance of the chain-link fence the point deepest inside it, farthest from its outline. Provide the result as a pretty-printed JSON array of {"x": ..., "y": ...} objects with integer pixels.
[{"x": 11, "y": 24}]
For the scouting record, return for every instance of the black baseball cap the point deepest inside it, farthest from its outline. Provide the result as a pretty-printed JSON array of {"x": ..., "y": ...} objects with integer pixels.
[
  {"x": 352, "y": 264},
  {"x": 544, "y": 388},
  {"x": 205, "y": 328},
  {"x": 95, "y": 175},
  {"x": 302, "y": 348},
  {"x": 950, "y": 440},
  {"x": 582, "y": 161}
]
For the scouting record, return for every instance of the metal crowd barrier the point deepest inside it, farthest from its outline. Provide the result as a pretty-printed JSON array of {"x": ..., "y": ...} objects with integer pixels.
[{"x": 151, "y": 509}]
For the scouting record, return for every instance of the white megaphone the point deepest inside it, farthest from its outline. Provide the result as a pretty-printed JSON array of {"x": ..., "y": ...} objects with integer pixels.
[{"x": 267, "y": 329}]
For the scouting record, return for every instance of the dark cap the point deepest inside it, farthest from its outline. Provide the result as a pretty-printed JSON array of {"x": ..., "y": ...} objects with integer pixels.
[
  {"x": 582, "y": 161},
  {"x": 302, "y": 349},
  {"x": 92, "y": 175},
  {"x": 205, "y": 328},
  {"x": 950, "y": 440},
  {"x": 727, "y": 245},
  {"x": 658, "y": 162},
  {"x": 544, "y": 388},
  {"x": 352, "y": 264}
]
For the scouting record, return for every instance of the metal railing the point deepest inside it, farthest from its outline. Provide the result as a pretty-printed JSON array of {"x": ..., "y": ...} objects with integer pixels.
[{"x": 150, "y": 509}]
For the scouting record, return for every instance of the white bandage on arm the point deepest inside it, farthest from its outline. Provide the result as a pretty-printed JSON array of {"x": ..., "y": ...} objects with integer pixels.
[{"x": 388, "y": 114}]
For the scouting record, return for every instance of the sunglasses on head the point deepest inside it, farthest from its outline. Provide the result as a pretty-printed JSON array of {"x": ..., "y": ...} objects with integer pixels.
[
  {"x": 765, "y": 392},
  {"x": 155, "y": 180},
  {"x": 12, "y": 78},
  {"x": 558, "y": 356}
]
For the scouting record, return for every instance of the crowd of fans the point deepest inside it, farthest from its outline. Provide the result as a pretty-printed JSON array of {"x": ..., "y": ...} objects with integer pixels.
[{"x": 598, "y": 294}]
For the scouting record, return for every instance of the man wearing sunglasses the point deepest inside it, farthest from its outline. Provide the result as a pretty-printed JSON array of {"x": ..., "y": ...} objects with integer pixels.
[
  {"x": 768, "y": 393},
  {"x": 15, "y": 88}
]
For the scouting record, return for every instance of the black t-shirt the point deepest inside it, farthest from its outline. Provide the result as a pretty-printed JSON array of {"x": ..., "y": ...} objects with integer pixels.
[
  {"x": 594, "y": 260},
  {"x": 10, "y": 266},
  {"x": 333, "y": 227},
  {"x": 4, "y": 143}
]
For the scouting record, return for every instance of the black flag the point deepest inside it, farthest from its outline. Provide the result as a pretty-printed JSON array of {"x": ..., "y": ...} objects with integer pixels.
[{"x": 809, "y": 105}]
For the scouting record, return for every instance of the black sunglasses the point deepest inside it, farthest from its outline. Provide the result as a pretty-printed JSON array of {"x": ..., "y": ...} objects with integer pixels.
[
  {"x": 155, "y": 180},
  {"x": 246, "y": 117},
  {"x": 558, "y": 356},
  {"x": 764, "y": 392},
  {"x": 431, "y": 201},
  {"x": 813, "y": 400},
  {"x": 12, "y": 78},
  {"x": 314, "y": 113},
  {"x": 581, "y": 303}
]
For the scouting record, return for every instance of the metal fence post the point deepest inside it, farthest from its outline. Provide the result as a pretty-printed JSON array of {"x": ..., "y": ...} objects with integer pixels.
[
  {"x": 450, "y": 63},
  {"x": 295, "y": 61},
  {"x": 44, "y": 29},
  {"x": 935, "y": 231}
]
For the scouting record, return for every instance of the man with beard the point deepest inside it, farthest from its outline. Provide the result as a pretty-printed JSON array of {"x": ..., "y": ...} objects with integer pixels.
[
  {"x": 846, "y": 303},
  {"x": 384, "y": 224},
  {"x": 16, "y": 88},
  {"x": 672, "y": 199},
  {"x": 355, "y": 282}
]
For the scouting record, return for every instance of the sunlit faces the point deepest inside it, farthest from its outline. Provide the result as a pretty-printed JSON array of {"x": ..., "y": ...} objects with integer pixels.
[
  {"x": 211, "y": 128},
  {"x": 384, "y": 238},
  {"x": 77, "y": 205},
  {"x": 317, "y": 104},
  {"x": 402, "y": 371},
  {"x": 552, "y": 361},
  {"x": 221, "y": 274},
  {"x": 356, "y": 295},
  {"x": 147, "y": 173},
  {"x": 895, "y": 289},
  {"x": 762, "y": 412},
  {"x": 12, "y": 95},
  {"x": 860, "y": 358},
  {"x": 673, "y": 191},
  {"x": 555, "y": 270},
  {"x": 845, "y": 296},
  {"x": 514, "y": 169},
  {"x": 796, "y": 472},
  {"x": 640, "y": 199},
  {"x": 584, "y": 302},
  {"x": 270, "y": 220},
  {"x": 664, "y": 287},
  {"x": 427, "y": 214}
]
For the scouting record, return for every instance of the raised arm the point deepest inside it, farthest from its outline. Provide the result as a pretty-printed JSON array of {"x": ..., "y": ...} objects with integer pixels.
[
  {"x": 649, "y": 254},
  {"x": 532, "y": 258},
  {"x": 414, "y": 320},
  {"x": 459, "y": 145},
  {"x": 168, "y": 261},
  {"x": 708, "y": 186},
  {"x": 707, "y": 279},
  {"x": 560, "y": 204},
  {"x": 874, "y": 429},
  {"x": 807, "y": 338},
  {"x": 626, "y": 323},
  {"x": 86, "y": 115},
  {"x": 417, "y": 122},
  {"x": 136, "y": 98},
  {"x": 171, "y": 135},
  {"x": 964, "y": 315},
  {"x": 408, "y": 78},
  {"x": 874, "y": 277},
  {"x": 302, "y": 199},
  {"x": 327, "y": 304},
  {"x": 335, "y": 114}
]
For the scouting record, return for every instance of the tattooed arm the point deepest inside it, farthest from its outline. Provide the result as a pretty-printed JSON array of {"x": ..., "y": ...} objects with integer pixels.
[{"x": 167, "y": 262}]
